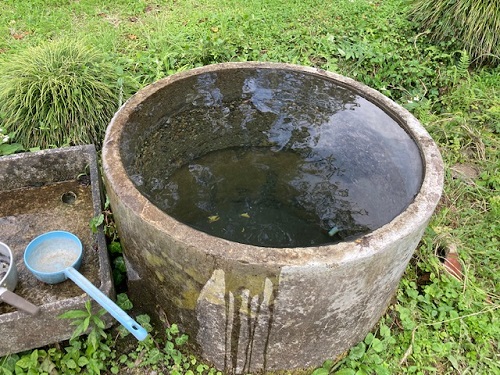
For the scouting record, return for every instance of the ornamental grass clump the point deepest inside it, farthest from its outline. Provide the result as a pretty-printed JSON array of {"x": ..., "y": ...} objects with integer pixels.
[
  {"x": 474, "y": 24},
  {"x": 56, "y": 94}
]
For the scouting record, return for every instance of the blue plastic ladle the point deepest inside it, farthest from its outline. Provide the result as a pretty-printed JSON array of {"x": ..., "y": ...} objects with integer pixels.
[{"x": 55, "y": 256}]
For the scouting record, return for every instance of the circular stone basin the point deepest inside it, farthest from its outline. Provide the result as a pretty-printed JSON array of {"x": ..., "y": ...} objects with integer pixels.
[{"x": 270, "y": 209}]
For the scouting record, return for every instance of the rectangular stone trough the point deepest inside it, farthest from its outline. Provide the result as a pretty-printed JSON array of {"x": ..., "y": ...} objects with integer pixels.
[{"x": 56, "y": 189}]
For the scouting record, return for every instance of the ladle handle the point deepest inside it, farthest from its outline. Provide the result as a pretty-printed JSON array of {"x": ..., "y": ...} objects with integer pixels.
[
  {"x": 130, "y": 324},
  {"x": 19, "y": 302}
]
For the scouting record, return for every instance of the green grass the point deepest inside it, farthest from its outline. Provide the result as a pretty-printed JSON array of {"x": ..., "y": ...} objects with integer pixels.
[{"x": 437, "y": 324}]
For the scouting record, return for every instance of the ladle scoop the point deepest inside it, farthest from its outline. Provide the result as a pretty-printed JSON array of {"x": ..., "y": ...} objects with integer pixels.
[
  {"x": 55, "y": 256},
  {"x": 8, "y": 282}
]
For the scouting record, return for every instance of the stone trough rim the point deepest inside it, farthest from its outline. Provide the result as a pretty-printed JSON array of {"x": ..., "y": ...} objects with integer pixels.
[{"x": 418, "y": 212}]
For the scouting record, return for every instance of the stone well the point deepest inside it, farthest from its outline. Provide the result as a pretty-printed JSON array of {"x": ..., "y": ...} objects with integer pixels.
[{"x": 253, "y": 308}]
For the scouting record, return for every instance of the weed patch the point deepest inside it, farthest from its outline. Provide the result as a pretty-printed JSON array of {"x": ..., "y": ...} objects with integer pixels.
[{"x": 58, "y": 93}]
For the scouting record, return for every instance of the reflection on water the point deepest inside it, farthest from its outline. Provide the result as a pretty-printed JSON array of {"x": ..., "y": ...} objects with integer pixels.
[
  {"x": 249, "y": 195},
  {"x": 277, "y": 158}
]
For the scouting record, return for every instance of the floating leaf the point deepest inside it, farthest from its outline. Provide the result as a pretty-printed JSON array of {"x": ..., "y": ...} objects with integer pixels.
[{"x": 213, "y": 218}]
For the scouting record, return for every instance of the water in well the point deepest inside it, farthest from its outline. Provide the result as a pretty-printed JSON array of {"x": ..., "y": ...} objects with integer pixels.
[{"x": 289, "y": 162}]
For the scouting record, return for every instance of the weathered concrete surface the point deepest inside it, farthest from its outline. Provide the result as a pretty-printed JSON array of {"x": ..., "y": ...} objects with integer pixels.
[
  {"x": 31, "y": 190},
  {"x": 252, "y": 308}
]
